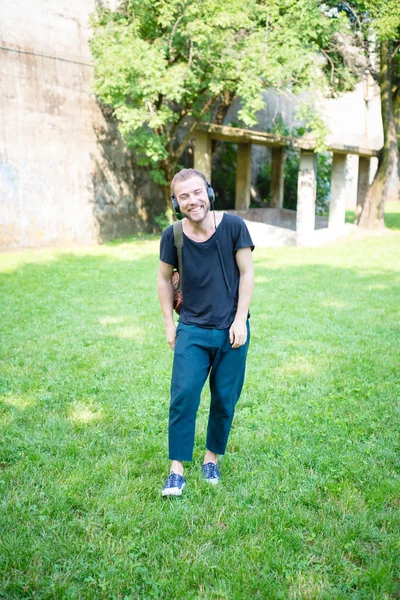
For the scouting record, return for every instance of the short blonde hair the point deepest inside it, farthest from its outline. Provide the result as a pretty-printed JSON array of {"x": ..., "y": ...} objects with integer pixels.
[{"x": 186, "y": 174}]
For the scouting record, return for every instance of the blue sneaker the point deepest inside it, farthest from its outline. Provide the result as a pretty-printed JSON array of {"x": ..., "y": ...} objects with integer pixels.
[
  {"x": 174, "y": 485},
  {"x": 211, "y": 473}
]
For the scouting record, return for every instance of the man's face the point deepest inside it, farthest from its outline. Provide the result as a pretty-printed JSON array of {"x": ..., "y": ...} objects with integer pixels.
[{"x": 193, "y": 198}]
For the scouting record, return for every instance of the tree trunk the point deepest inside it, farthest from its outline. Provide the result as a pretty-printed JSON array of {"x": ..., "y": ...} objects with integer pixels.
[
  {"x": 372, "y": 212},
  {"x": 168, "y": 169},
  {"x": 167, "y": 197},
  {"x": 396, "y": 108}
]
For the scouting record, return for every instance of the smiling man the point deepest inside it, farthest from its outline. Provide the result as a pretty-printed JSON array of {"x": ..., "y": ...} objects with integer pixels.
[{"x": 213, "y": 332}]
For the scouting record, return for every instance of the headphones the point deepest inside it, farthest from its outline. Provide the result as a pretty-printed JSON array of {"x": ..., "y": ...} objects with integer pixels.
[{"x": 210, "y": 194}]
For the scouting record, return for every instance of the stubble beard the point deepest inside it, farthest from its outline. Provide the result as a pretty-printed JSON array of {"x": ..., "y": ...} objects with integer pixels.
[{"x": 194, "y": 220}]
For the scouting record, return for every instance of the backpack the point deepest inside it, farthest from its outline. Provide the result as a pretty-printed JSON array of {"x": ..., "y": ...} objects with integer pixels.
[{"x": 177, "y": 275}]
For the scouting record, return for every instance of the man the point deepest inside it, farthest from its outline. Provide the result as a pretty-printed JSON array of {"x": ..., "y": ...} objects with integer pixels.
[{"x": 213, "y": 332}]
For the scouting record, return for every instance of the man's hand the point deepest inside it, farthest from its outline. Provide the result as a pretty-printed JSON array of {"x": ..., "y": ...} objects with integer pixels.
[
  {"x": 238, "y": 330},
  {"x": 238, "y": 333},
  {"x": 171, "y": 335}
]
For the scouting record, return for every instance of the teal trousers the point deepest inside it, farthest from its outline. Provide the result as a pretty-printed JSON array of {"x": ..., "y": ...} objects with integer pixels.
[{"x": 200, "y": 352}]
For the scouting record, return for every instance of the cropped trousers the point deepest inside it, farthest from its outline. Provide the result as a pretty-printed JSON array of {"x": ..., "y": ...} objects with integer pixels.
[{"x": 200, "y": 352}]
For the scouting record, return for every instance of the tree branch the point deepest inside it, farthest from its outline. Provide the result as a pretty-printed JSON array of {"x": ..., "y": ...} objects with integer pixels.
[
  {"x": 395, "y": 51},
  {"x": 190, "y": 54},
  {"x": 347, "y": 5},
  {"x": 332, "y": 64},
  {"x": 192, "y": 129},
  {"x": 171, "y": 39},
  {"x": 266, "y": 35}
]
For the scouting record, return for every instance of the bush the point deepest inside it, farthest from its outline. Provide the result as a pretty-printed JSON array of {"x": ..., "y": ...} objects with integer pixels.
[{"x": 224, "y": 175}]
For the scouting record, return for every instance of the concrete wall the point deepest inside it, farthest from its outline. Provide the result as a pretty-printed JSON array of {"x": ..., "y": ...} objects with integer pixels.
[
  {"x": 65, "y": 175},
  {"x": 353, "y": 118}
]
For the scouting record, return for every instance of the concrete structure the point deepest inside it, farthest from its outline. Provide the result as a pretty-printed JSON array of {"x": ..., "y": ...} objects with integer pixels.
[
  {"x": 243, "y": 177},
  {"x": 202, "y": 157},
  {"x": 306, "y": 191},
  {"x": 306, "y": 194},
  {"x": 65, "y": 175},
  {"x": 277, "y": 173},
  {"x": 364, "y": 168},
  {"x": 337, "y": 208}
]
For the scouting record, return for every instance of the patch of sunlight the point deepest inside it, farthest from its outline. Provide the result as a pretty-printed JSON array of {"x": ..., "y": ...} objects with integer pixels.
[
  {"x": 129, "y": 250},
  {"x": 14, "y": 260},
  {"x": 376, "y": 286},
  {"x": 17, "y": 402},
  {"x": 308, "y": 585},
  {"x": 125, "y": 252},
  {"x": 129, "y": 332},
  {"x": 132, "y": 251},
  {"x": 294, "y": 368},
  {"x": 111, "y": 320},
  {"x": 334, "y": 303},
  {"x": 259, "y": 279},
  {"x": 83, "y": 412}
]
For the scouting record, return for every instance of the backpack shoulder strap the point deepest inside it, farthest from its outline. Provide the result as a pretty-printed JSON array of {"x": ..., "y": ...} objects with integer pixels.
[{"x": 178, "y": 240}]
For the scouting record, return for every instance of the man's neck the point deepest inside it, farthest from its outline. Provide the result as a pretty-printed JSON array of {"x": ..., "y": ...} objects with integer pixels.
[{"x": 201, "y": 230}]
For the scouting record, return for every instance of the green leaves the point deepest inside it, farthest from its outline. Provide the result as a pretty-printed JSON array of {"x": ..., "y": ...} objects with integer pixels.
[{"x": 167, "y": 64}]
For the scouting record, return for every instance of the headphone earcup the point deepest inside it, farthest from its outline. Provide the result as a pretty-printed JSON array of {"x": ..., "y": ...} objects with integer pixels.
[
  {"x": 175, "y": 203},
  {"x": 210, "y": 193}
]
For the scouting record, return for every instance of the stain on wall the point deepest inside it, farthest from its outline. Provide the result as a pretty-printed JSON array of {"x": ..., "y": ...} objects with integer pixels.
[{"x": 65, "y": 174}]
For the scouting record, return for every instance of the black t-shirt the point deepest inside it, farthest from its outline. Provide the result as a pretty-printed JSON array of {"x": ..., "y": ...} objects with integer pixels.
[{"x": 206, "y": 299}]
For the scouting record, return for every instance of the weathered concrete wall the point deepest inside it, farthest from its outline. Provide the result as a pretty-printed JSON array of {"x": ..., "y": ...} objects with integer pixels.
[
  {"x": 353, "y": 119},
  {"x": 65, "y": 175}
]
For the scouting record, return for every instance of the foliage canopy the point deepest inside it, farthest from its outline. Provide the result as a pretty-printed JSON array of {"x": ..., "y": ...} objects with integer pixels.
[
  {"x": 376, "y": 27},
  {"x": 166, "y": 65}
]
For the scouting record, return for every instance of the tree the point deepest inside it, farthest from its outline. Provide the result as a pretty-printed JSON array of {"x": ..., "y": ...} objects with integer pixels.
[
  {"x": 376, "y": 24},
  {"x": 167, "y": 65}
]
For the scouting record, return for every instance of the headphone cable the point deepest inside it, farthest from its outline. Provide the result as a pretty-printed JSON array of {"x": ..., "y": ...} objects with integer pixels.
[{"x": 220, "y": 252}]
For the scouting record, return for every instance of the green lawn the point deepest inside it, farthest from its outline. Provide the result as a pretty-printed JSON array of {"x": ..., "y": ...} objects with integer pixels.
[
  {"x": 308, "y": 507},
  {"x": 392, "y": 215}
]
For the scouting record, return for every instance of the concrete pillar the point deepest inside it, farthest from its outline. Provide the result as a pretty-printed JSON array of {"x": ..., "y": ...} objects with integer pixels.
[
  {"x": 243, "y": 177},
  {"x": 364, "y": 164},
  {"x": 306, "y": 194},
  {"x": 202, "y": 153},
  {"x": 337, "y": 207},
  {"x": 277, "y": 172},
  {"x": 351, "y": 181}
]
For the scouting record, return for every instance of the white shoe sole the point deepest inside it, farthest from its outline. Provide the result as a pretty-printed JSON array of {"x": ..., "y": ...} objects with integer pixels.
[{"x": 173, "y": 491}]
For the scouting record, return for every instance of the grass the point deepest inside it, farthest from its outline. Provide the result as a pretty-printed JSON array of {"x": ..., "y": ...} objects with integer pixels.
[
  {"x": 309, "y": 503},
  {"x": 392, "y": 215}
]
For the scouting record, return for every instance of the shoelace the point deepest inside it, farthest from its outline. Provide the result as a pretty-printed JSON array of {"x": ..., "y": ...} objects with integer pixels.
[
  {"x": 211, "y": 470},
  {"x": 173, "y": 480}
]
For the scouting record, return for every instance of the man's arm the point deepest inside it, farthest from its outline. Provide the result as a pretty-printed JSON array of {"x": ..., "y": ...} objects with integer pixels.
[
  {"x": 166, "y": 296},
  {"x": 238, "y": 330}
]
